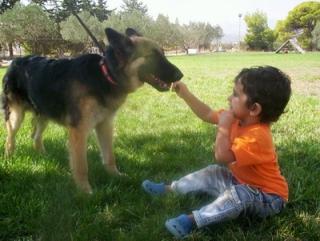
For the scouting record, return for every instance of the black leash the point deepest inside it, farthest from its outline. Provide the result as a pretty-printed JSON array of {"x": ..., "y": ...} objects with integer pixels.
[
  {"x": 103, "y": 65},
  {"x": 89, "y": 32}
]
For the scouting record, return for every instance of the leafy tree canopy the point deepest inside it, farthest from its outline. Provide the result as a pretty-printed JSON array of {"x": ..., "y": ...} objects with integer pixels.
[
  {"x": 72, "y": 31},
  {"x": 134, "y": 5},
  {"x": 29, "y": 26},
  {"x": 7, "y": 4},
  {"x": 51, "y": 20},
  {"x": 316, "y": 36},
  {"x": 59, "y": 10},
  {"x": 304, "y": 16},
  {"x": 259, "y": 36},
  {"x": 301, "y": 19}
]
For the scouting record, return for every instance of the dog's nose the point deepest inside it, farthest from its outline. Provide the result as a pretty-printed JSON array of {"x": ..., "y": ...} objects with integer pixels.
[{"x": 178, "y": 75}]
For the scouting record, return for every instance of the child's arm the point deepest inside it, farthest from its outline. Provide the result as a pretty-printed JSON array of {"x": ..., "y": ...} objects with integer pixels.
[
  {"x": 223, "y": 152},
  {"x": 203, "y": 111}
]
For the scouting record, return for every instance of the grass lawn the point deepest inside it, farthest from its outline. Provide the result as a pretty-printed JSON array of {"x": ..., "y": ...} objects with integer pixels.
[{"x": 157, "y": 137}]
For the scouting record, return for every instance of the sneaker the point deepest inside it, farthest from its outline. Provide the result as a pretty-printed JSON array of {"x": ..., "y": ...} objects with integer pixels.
[
  {"x": 153, "y": 188},
  {"x": 180, "y": 226}
]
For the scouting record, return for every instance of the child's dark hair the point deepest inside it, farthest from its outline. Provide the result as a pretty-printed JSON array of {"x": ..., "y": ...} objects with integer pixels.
[{"x": 267, "y": 86}]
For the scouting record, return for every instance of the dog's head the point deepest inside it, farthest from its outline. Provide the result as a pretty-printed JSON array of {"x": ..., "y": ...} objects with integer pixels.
[{"x": 142, "y": 60}]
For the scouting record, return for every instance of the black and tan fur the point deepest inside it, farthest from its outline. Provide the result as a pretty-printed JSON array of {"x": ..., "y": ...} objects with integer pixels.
[{"x": 78, "y": 95}]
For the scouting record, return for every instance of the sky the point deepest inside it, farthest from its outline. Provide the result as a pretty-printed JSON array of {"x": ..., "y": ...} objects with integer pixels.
[{"x": 224, "y": 13}]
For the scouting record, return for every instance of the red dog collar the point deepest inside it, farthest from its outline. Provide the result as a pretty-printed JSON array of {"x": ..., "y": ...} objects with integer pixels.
[{"x": 105, "y": 71}]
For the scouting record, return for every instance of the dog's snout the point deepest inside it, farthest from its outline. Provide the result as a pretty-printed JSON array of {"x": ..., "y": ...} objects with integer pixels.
[{"x": 178, "y": 75}]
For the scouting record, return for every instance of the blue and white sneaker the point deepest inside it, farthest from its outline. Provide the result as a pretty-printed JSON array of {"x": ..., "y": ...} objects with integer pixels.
[
  {"x": 180, "y": 226},
  {"x": 153, "y": 188}
]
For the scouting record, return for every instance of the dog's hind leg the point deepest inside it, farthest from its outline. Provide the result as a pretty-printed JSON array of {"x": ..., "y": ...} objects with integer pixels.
[
  {"x": 78, "y": 156},
  {"x": 104, "y": 131},
  {"x": 13, "y": 124},
  {"x": 39, "y": 124}
]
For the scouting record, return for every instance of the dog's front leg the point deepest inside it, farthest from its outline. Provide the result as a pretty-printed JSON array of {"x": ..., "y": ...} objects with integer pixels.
[
  {"x": 78, "y": 157},
  {"x": 104, "y": 133}
]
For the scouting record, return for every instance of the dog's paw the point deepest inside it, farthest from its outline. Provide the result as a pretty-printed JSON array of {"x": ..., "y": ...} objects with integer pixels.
[
  {"x": 85, "y": 187},
  {"x": 88, "y": 191},
  {"x": 39, "y": 147},
  {"x": 113, "y": 170},
  {"x": 9, "y": 150},
  {"x": 8, "y": 153}
]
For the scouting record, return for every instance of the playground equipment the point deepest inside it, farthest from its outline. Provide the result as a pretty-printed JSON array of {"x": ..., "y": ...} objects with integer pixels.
[{"x": 294, "y": 44}]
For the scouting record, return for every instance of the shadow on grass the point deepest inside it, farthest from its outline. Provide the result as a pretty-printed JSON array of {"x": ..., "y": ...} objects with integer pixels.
[{"x": 40, "y": 201}]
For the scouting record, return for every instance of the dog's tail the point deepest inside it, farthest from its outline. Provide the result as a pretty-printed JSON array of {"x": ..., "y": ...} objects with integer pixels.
[
  {"x": 5, "y": 106},
  {"x": 8, "y": 83}
]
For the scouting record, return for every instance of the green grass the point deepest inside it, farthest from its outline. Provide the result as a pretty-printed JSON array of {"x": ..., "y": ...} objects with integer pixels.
[{"x": 158, "y": 137}]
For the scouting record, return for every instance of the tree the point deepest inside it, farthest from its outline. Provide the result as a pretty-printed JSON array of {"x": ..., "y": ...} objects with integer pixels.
[
  {"x": 190, "y": 36},
  {"x": 9, "y": 29},
  {"x": 163, "y": 31},
  {"x": 7, "y": 4},
  {"x": 281, "y": 33},
  {"x": 218, "y": 35},
  {"x": 39, "y": 33},
  {"x": 134, "y": 19},
  {"x": 210, "y": 33},
  {"x": 134, "y": 5},
  {"x": 29, "y": 26},
  {"x": 60, "y": 10},
  {"x": 200, "y": 35},
  {"x": 100, "y": 10},
  {"x": 259, "y": 36},
  {"x": 72, "y": 31},
  {"x": 176, "y": 37},
  {"x": 316, "y": 36},
  {"x": 303, "y": 17},
  {"x": 54, "y": 9}
]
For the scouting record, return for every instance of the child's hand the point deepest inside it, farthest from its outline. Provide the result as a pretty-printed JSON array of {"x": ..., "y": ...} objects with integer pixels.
[
  {"x": 180, "y": 88},
  {"x": 226, "y": 119}
]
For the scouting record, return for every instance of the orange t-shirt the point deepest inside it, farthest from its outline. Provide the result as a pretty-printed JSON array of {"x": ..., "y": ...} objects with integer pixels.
[{"x": 256, "y": 159}]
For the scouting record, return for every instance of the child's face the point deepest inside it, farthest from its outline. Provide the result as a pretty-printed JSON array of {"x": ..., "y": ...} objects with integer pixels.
[{"x": 237, "y": 102}]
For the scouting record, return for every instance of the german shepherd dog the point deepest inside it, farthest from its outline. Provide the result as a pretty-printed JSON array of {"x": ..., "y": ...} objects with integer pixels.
[{"x": 82, "y": 94}]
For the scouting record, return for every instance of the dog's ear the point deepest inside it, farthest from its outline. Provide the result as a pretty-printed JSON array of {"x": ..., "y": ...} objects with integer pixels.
[
  {"x": 130, "y": 32},
  {"x": 119, "y": 41},
  {"x": 121, "y": 44}
]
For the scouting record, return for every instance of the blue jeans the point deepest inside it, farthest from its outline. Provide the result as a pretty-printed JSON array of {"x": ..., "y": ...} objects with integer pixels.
[{"x": 232, "y": 198}]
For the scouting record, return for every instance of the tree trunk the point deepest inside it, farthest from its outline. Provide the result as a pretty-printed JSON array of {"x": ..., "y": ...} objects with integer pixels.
[{"x": 10, "y": 46}]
